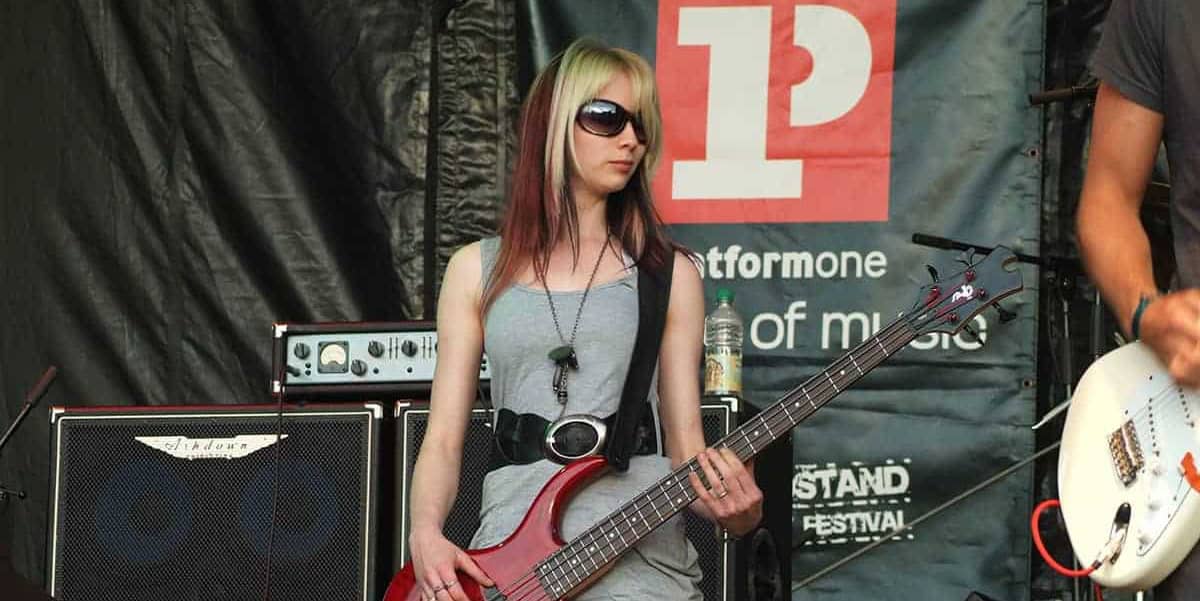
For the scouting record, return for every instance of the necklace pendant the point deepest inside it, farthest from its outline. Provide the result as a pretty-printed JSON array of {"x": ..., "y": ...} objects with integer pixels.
[
  {"x": 559, "y": 384},
  {"x": 564, "y": 355},
  {"x": 560, "y": 354}
]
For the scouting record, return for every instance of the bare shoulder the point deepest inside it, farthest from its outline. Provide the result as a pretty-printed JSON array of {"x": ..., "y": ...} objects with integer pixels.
[
  {"x": 464, "y": 271},
  {"x": 684, "y": 270},
  {"x": 686, "y": 288}
]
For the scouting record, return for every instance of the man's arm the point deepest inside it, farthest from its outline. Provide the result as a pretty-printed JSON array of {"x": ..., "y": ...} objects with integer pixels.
[{"x": 1116, "y": 252}]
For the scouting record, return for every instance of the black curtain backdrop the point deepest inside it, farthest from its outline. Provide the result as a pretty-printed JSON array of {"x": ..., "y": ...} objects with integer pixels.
[{"x": 176, "y": 176}]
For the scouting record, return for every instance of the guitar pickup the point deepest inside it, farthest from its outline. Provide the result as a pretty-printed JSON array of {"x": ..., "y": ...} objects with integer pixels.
[{"x": 1126, "y": 452}]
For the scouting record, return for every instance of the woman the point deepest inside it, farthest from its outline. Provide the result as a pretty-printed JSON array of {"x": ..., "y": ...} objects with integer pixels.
[{"x": 562, "y": 278}]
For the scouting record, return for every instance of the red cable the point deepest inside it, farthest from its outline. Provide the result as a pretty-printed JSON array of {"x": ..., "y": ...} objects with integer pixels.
[{"x": 1037, "y": 541}]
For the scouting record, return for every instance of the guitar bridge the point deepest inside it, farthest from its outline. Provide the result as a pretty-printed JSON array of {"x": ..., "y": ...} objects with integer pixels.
[{"x": 1126, "y": 452}]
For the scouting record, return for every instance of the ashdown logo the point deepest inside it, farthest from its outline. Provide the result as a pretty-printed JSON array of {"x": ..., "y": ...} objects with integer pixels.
[
  {"x": 209, "y": 448},
  {"x": 775, "y": 110}
]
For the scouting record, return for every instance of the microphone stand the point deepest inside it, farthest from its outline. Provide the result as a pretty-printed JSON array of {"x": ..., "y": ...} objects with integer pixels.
[
  {"x": 1086, "y": 92},
  {"x": 31, "y": 399},
  {"x": 1057, "y": 263},
  {"x": 1067, "y": 269}
]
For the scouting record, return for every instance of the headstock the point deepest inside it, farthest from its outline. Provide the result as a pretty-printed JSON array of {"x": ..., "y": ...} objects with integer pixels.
[{"x": 950, "y": 303}]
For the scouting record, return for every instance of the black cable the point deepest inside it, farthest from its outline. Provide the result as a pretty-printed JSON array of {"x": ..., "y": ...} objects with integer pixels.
[{"x": 274, "y": 496}]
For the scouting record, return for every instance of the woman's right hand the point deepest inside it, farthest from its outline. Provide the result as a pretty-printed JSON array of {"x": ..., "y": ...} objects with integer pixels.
[{"x": 436, "y": 563}]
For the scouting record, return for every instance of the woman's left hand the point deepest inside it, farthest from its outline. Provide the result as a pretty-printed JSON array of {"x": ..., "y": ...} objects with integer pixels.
[{"x": 734, "y": 500}]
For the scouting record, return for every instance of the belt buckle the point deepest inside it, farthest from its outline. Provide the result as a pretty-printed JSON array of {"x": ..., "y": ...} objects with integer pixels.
[{"x": 579, "y": 431}]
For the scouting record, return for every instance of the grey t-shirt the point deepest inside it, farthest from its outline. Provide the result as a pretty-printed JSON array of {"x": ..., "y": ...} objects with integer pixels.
[
  {"x": 1151, "y": 54},
  {"x": 518, "y": 332}
]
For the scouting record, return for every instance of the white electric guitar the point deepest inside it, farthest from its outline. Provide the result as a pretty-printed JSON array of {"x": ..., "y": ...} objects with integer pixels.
[{"x": 1127, "y": 473}]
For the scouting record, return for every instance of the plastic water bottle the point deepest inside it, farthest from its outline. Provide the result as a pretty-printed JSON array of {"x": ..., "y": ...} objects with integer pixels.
[{"x": 723, "y": 348}]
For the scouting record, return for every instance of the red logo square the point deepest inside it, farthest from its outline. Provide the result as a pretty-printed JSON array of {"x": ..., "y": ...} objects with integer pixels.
[{"x": 775, "y": 111}]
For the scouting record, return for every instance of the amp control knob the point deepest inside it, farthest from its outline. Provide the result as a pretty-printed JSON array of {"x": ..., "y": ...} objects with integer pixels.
[
  {"x": 301, "y": 351},
  {"x": 375, "y": 348},
  {"x": 358, "y": 367},
  {"x": 409, "y": 348}
]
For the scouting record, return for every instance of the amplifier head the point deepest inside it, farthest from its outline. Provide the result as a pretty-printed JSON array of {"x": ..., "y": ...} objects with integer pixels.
[{"x": 356, "y": 360}]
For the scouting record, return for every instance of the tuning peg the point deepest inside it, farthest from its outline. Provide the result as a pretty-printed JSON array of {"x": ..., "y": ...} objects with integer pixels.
[
  {"x": 932, "y": 272},
  {"x": 1005, "y": 315}
]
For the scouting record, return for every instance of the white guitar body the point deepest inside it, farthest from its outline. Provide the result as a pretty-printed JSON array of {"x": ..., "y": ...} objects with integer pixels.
[{"x": 1131, "y": 437}]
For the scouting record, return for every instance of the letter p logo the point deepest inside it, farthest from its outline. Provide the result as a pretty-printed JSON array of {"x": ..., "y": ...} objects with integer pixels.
[{"x": 775, "y": 112}]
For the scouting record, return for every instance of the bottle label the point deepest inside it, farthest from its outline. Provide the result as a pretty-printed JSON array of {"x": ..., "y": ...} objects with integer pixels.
[{"x": 722, "y": 371}]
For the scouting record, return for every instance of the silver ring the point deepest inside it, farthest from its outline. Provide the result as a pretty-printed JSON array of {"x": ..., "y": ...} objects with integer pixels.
[
  {"x": 438, "y": 589},
  {"x": 724, "y": 493}
]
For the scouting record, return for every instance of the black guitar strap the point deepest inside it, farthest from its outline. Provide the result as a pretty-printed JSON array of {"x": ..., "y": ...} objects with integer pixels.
[{"x": 634, "y": 419}]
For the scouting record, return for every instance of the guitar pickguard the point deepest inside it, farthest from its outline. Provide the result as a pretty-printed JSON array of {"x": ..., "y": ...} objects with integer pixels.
[{"x": 1147, "y": 450}]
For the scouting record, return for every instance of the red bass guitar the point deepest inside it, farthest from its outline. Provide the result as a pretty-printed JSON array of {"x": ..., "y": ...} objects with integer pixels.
[{"x": 534, "y": 564}]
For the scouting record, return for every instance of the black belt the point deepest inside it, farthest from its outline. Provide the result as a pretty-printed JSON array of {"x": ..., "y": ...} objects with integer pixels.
[{"x": 528, "y": 437}]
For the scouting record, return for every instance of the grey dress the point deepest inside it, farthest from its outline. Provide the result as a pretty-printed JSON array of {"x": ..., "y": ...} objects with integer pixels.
[{"x": 518, "y": 333}]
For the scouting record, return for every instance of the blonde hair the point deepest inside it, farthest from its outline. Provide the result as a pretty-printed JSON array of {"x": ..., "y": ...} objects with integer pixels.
[
  {"x": 586, "y": 67},
  {"x": 540, "y": 208}
]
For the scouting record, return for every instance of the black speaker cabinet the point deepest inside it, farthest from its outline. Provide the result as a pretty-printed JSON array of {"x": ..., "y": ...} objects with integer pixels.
[
  {"x": 724, "y": 564},
  {"x": 185, "y": 503}
]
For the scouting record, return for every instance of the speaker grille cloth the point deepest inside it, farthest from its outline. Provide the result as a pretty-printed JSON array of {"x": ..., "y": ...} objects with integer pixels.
[
  {"x": 703, "y": 533},
  {"x": 137, "y": 523},
  {"x": 463, "y": 519}
]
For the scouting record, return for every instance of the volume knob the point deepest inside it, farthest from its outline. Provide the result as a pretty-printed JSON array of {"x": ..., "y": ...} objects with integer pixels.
[
  {"x": 301, "y": 351},
  {"x": 375, "y": 348},
  {"x": 409, "y": 348},
  {"x": 358, "y": 367}
]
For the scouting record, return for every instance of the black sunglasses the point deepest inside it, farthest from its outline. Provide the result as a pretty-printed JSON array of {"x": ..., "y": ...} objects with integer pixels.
[{"x": 607, "y": 118}]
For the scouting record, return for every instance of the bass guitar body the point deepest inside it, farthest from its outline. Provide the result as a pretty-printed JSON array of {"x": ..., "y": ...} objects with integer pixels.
[
  {"x": 513, "y": 564},
  {"x": 1130, "y": 445}
]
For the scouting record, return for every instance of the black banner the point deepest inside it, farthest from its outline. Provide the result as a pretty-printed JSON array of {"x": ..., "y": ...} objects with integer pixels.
[{"x": 806, "y": 143}]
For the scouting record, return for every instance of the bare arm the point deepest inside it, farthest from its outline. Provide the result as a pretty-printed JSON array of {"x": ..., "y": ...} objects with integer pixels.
[
  {"x": 455, "y": 380},
  {"x": 740, "y": 509},
  {"x": 1115, "y": 249},
  {"x": 1125, "y": 138},
  {"x": 678, "y": 364}
]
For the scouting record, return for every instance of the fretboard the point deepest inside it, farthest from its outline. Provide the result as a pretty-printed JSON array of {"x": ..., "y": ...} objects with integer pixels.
[{"x": 571, "y": 565}]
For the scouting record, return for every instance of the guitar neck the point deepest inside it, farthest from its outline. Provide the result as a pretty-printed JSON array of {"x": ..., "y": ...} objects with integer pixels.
[
  {"x": 586, "y": 554},
  {"x": 801, "y": 402}
]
